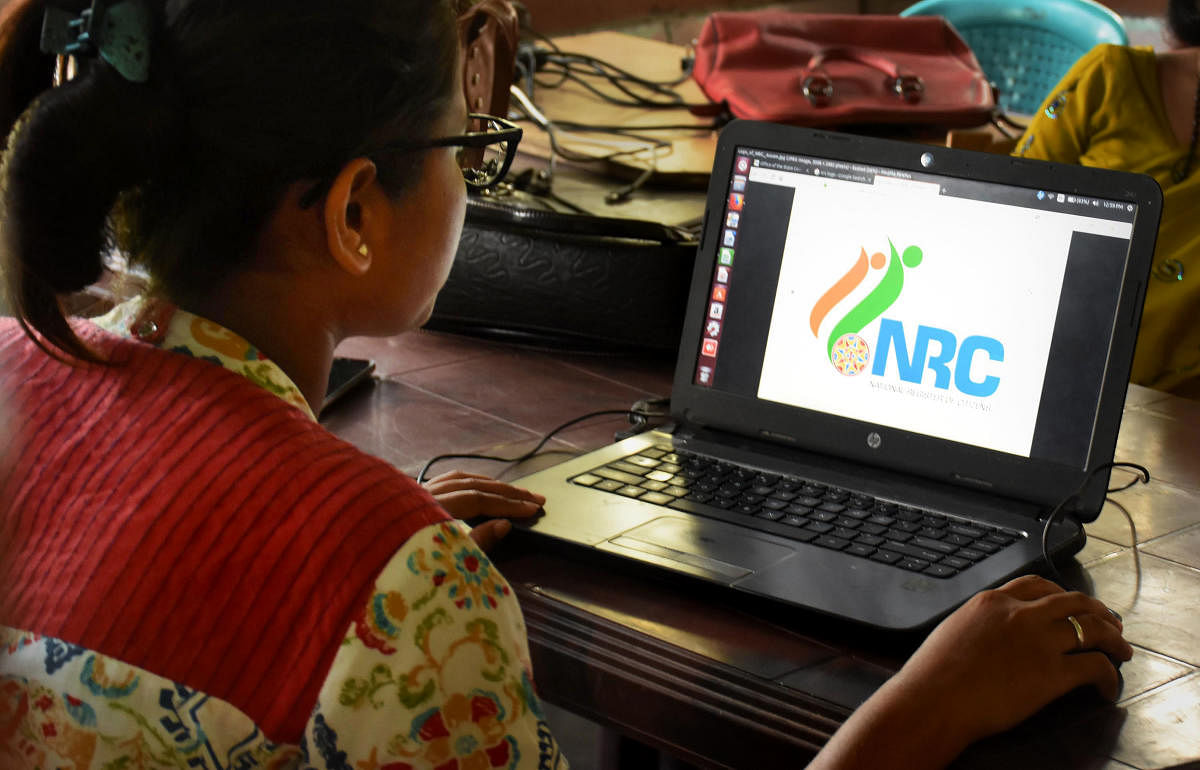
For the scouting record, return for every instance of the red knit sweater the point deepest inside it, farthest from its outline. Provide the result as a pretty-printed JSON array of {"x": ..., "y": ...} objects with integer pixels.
[{"x": 173, "y": 515}]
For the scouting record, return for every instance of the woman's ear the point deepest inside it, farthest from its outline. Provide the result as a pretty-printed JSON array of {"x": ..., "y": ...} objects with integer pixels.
[{"x": 349, "y": 209}]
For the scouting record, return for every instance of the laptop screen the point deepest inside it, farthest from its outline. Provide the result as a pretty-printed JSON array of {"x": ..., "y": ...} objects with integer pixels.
[{"x": 970, "y": 311}]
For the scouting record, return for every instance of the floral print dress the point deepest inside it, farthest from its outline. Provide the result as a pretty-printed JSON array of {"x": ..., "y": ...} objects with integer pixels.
[{"x": 434, "y": 672}]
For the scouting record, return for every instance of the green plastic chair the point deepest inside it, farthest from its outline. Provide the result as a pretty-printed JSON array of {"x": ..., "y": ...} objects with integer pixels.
[{"x": 1026, "y": 46}]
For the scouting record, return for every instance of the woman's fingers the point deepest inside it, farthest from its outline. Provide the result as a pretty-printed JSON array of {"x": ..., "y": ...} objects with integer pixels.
[
  {"x": 489, "y": 533},
  {"x": 1009, "y": 651},
  {"x": 1032, "y": 588},
  {"x": 1075, "y": 603},
  {"x": 1095, "y": 669},
  {"x": 470, "y": 503},
  {"x": 1100, "y": 636},
  {"x": 1094, "y": 627},
  {"x": 1029, "y": 588},
  {"x": 482, "y": 484},
  {"x": 468, "y": 495},
  {"x": 451, "y": 475}
]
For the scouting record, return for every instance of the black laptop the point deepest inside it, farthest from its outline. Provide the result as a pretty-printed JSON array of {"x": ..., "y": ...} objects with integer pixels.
[{"x": 897, "y": 360}]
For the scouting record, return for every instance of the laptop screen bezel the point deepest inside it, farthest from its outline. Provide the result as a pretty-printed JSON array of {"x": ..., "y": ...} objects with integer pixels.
[{"x": 1045, "y": 483}]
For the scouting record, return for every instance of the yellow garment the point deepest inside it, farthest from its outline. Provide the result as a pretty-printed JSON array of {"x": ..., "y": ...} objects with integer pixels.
[{"x": 1108, "y": 112}]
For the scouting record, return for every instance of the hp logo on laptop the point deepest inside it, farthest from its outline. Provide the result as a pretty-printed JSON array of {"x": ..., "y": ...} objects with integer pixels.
[{"x": 874, "y": 440}]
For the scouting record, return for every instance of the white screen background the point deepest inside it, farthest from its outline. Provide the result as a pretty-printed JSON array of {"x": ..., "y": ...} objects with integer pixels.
[{"x": 988, "y": 269}]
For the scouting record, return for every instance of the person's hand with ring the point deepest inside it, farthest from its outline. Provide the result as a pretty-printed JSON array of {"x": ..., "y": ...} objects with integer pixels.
[{"x": 994, "y": 662}]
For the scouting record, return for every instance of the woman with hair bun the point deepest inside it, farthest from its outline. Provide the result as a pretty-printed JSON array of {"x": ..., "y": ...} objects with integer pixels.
[
  {"x": 193, "y": 573},
  {"x": 1132, "y": 109},
  {"x": 193, "y": 570}
]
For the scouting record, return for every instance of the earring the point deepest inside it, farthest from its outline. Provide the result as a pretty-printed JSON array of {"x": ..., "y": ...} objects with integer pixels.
[{"x": 362, "y": 249}]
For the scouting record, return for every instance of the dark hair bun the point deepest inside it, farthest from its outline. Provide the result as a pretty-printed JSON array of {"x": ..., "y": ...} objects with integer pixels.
[
  {"x": 244, "y": 99},
  {"x": 62, "y": 182}
]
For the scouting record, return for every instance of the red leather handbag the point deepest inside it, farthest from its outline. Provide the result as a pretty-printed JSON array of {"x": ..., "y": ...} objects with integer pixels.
[{"x": 841, "y": 69}]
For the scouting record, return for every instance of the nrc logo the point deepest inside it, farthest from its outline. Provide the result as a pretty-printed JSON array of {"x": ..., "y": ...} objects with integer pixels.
[
  {"x": 951, "y": 361},
  {"x": 961, "y": 363}
]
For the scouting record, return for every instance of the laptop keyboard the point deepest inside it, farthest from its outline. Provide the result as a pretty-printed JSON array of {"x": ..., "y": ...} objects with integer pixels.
[{"x": 819, "y": 514}]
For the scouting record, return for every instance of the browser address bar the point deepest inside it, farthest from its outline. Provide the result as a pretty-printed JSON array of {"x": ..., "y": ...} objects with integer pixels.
[{"x": 928, "y": 188}]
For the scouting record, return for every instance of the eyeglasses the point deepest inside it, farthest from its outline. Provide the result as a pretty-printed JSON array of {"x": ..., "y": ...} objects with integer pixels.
[{"x": 484, "y": 155}]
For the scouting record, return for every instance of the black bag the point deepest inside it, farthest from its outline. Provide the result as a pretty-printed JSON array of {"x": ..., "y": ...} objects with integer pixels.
[{"x": 527, "y": 274}]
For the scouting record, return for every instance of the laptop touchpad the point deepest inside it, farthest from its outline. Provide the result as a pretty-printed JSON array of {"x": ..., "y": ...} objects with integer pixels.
[{"x": 699, "y": 546}]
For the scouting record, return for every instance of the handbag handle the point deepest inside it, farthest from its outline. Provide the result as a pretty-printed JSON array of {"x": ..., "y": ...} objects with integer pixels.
[
  {"x": 488, "y": 35},
  {"x": 817, "y": 85}
]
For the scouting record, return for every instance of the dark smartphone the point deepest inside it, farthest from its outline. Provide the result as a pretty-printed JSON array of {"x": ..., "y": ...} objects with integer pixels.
[{"x": 344, "y": 375}]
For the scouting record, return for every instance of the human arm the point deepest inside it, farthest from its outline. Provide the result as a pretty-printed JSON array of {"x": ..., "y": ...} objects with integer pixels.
[
  {"x": 994, "y": 662},
  {"x": 470, "y": 495},
  {"x": 434, "y": 669}
]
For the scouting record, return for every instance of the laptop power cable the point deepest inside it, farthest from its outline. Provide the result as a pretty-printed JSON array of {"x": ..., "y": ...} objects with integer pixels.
[
  {"x": 642, "y": 416},
  {"x": 1143, "y": 477},
  {"x": 646, "y": 414}
]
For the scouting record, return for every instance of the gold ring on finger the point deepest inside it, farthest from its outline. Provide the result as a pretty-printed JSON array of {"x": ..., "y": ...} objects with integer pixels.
[{"x": 1078, "y": 631}]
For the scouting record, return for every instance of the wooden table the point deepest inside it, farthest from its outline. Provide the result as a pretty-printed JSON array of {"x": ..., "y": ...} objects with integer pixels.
[
  {"x": 722, "y": 682},
  {"x": 719, "y": 680}
]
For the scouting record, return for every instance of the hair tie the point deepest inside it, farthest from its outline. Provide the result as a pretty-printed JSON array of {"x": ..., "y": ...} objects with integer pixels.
[{"x": 116, "y": 31}]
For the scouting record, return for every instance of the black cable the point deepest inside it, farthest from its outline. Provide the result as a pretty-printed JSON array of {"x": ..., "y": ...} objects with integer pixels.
[
  {"x": 547, "y": 40},
  {"x": 551, "y": 128},
  {"x": 1002, "y": 127},
  {"x": 582, "y": 69},
  {"x": 640, "y": 92},
  {"x": 1143, "y": 477},
  {"x": 572, "y": 125},
  {"x": 534, "y": 52},
  {"x": 637, "y": 415},
  {"x": 566, "y": 203},
  {"x": 622, "y": 194},
  {"x": 1001, "y": 119},
  {"x": 660, "y": 96},
  {"x": 616, "y": 196},
  {"x": 526, "y": 66}
]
